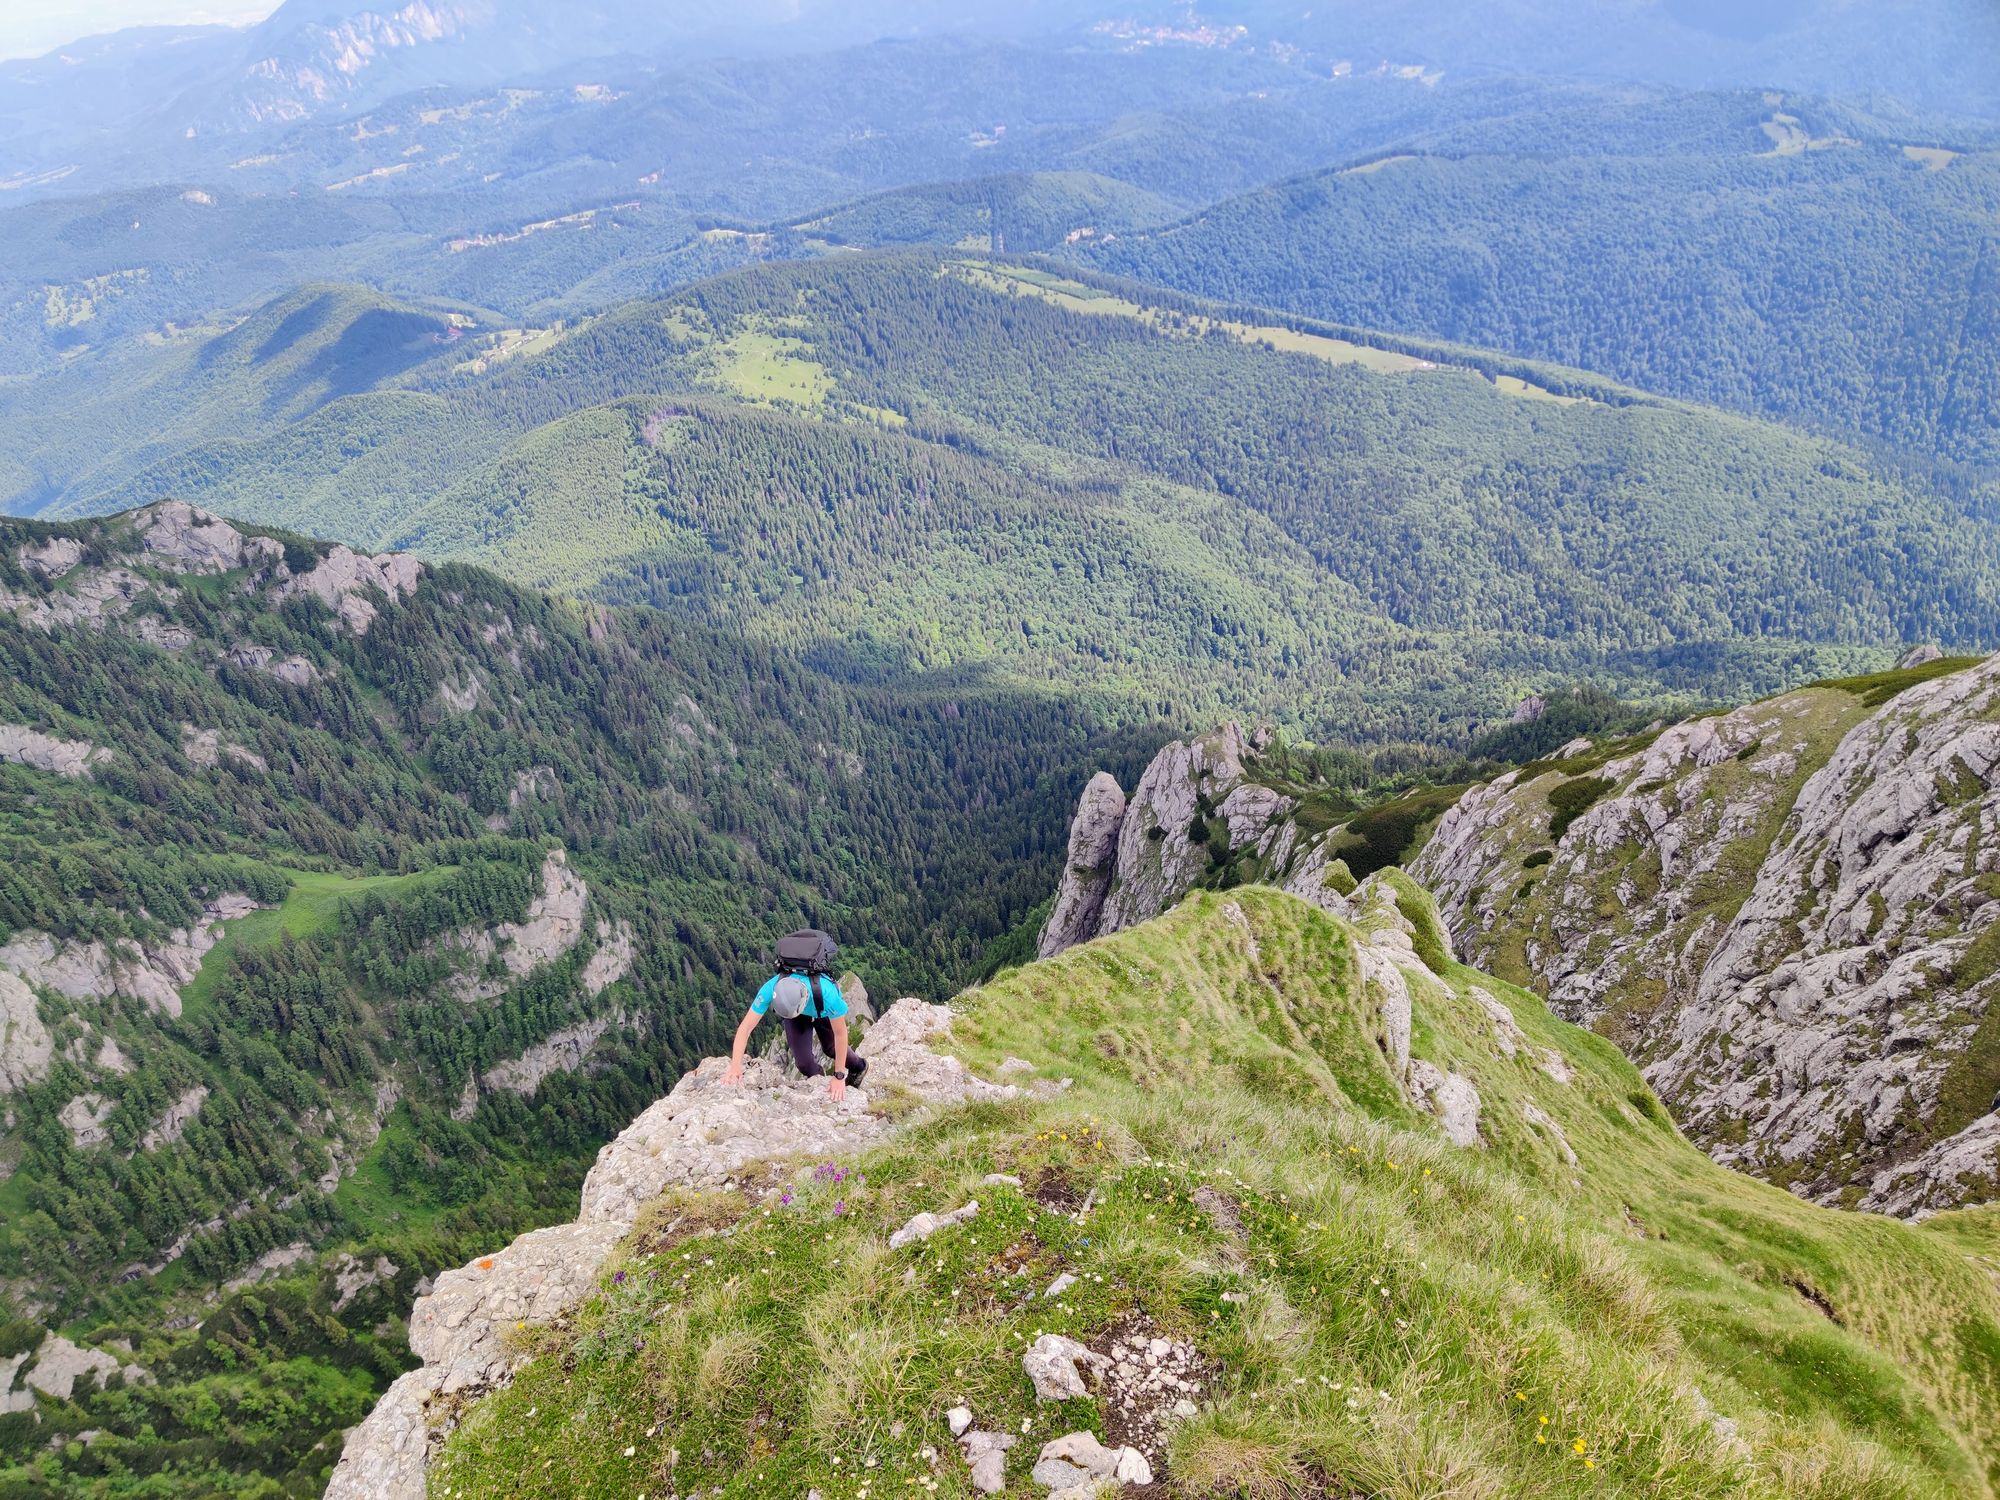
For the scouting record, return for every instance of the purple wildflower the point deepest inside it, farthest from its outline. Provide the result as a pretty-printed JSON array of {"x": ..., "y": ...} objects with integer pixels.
[{"x": 840, "y": 1205}]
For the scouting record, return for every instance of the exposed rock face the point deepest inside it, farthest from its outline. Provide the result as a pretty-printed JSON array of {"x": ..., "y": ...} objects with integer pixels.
[
  {"x": 701, "y": 1135},
  {"x": 53, "y": 558},
  {"x": 59, "y": 1364},
  {"x": 293, "y": 671},
  {"x": 207, "y": 748},
  {"x": 612, "y": 961},
  {"x": 83, "y": 1117},
  {"x": 174, "y": 1122},
  {"x": 97, "y": 599},
  {"x": 25, "y": 1045},
  {"x": 346, "y": 581},
  {"x": 273, "y": 1262},
  {"x": 1450, "y": 1097},
  {"x": 559, "y": 1052},
  {"x": 43, "y": 752},
  {"x": 353, "y": 1276},
  {"x": 1093, "y": 852},
  {"x": 1161, "y": 845},
  {"x": 552, "y": 926},
  {"x": 153, "y": 974},
  {"x": 537, "y": 783},
  {"x": 186, "y": 540},
  {"x": 1130, "y": 861},
  {"x": 1787, "y": 915}
]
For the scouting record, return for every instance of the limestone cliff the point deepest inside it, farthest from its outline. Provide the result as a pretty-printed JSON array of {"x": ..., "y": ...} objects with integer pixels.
[
  {"x": 1786, "y": 914},
  {"x": 1198, "y": 807}
]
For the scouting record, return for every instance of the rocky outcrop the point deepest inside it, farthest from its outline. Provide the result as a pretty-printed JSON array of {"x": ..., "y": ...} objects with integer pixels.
[
  {"x": 612, "y": 960},
  {"x": 293, "y": 671},
  {"x": 701, "y": 1135},
  {"x": 57, "y": 1366},
  {"x": 25, "y": 1045},
  {"x": 348, "y": 583},
  {"x": 1131, "y": 860},
  {"x": 352, "y": 1276},
  {"x": 1789, "y": 915},
  {"x": 53, "y": 558},
  {"x": 182, "y": 539},
  {"x": 97, "y": 599},
  {"x": 152, "y": 973},
  {"x": 208, "y": 749},
  {"x": 1162, "y": 843},
  {"x": 553, "y": 925},
  {"x": 173, "y": 1122},
  {"x": 84, "y": 1118},
  {"x": 560, "y": 1052},
  {"x": 44, "y": 752},
  {"x": 1093, "y": 856}
]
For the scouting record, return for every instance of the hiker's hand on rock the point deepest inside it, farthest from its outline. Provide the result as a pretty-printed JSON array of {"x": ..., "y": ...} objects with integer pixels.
[
  {"x": 836, "y": 1089},
  {"x": 733, "y": 1074}
]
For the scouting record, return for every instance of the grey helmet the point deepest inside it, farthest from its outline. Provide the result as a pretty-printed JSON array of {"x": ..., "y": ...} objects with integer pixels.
[{"x": 789, "y": 997}]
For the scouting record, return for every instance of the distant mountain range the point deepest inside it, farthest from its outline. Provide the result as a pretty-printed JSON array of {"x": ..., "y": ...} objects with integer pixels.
[{"x": 167, "y": 103}]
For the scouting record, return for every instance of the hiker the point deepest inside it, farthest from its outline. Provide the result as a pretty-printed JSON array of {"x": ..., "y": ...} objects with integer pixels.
[{"x": 809, "y": 1005}]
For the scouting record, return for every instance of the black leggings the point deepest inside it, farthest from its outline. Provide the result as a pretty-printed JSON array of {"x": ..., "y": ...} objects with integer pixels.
[{"x": 799, "y": 1034}]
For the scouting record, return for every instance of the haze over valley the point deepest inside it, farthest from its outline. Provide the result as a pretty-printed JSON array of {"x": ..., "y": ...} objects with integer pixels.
[{"x": 1382, "y": 612}]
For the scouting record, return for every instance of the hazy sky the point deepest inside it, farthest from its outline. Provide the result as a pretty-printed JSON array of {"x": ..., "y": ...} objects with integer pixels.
[{"x": 29, "y": 28}]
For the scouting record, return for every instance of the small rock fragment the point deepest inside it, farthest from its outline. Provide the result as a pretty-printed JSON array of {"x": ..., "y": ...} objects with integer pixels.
[
  {"x": 1132, "y": 1467},
  {"x": 960, "y": 1418},
  {"x": 923, "y": 1226},
  {"x": 1051, "y": 1363}
]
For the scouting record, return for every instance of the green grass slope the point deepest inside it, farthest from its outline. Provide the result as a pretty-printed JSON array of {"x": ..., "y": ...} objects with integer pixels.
[{"x": 1377, "y": 1311}]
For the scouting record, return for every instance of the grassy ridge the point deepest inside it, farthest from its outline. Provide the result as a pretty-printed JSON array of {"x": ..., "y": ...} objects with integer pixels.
[{"x": 1379, "y": 1311}]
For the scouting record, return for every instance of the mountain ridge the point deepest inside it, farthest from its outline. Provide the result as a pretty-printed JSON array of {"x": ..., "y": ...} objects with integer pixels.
[
  {"x": 1059, "y": 1155},
  {"x": 1783, "y": 911}
]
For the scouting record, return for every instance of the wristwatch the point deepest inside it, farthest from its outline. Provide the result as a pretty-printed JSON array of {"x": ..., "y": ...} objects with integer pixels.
[{"x": 841, "y": 1074}]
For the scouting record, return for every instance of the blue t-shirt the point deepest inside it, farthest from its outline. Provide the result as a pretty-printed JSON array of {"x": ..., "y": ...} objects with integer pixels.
[{"x": 829, "y": 1002}]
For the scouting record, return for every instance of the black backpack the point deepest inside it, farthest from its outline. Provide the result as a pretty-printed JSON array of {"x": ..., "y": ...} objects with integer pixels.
[{"x": 807, "y": 951}]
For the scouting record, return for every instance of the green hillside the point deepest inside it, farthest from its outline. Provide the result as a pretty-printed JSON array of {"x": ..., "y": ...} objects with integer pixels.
[
  {"x": 1019, "y": 211},
  {"x": 897, "y": 464},
  {"x": 1581, "y": 1304},
  {"x": 389, "y": 801},
  {"x": 1758, "y": 251},
  {"x": 220, "y": 388}
]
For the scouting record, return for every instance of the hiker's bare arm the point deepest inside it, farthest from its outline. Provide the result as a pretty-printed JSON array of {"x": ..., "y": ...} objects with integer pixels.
[
  {"x": 744, "y": 1027},
  {"x": 836, "y": 1087}
]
